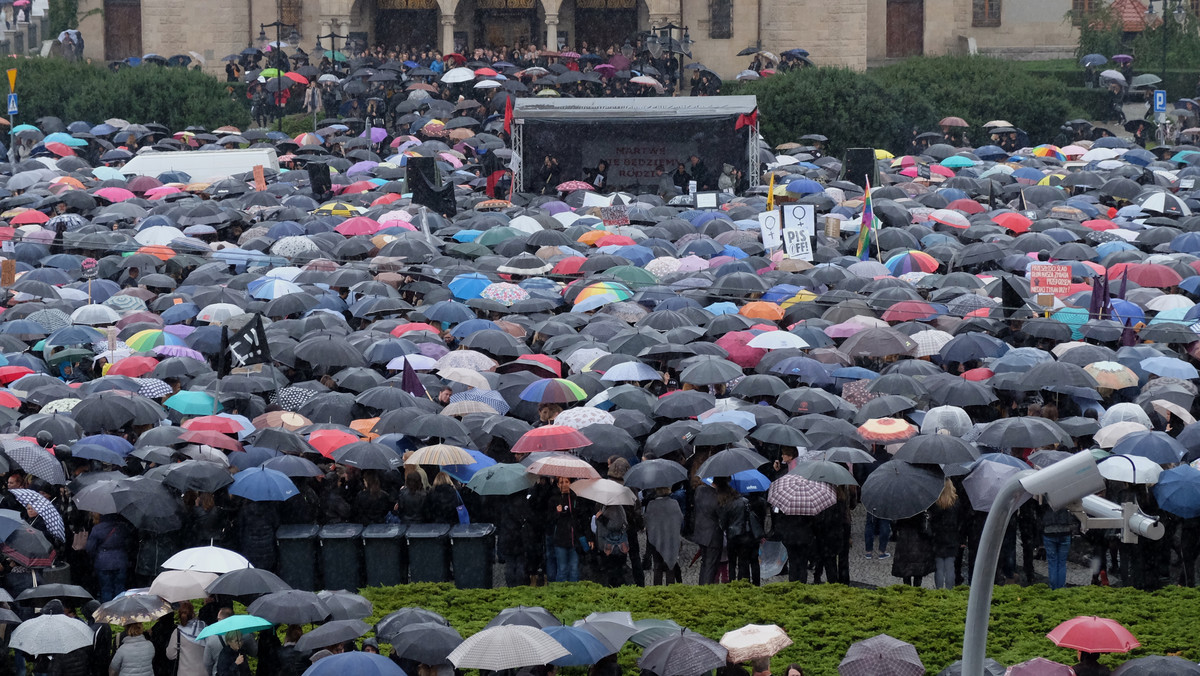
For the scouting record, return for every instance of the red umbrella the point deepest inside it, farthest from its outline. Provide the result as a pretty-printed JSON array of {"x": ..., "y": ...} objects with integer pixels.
[
  {"x": 569, "y": 186},
  {"x": 569, "y": 265},
  {"x": 212, "y": 423},
  {"x": 1093, "y": 634},
  {"x": 11, "y": 373},
  {"x": 414, "y": 326},
  {"x": 134, "y": 367},
  {"x": 1014, "y": 221},
  {"x": 1153, "y": 275},
  {"x": 735, "y": 343},
  {"x": 214, "y": 439},
  {"x": 30, "y": 217},
  {"x": 328, "y": 441},
  {"x": 456, "y": 58},
  {"x": 909, "y": 310},
  {"x": 9, "y": 400},
  {"x": 550, "y": 438},
  {"x": 968, "y": 206}
]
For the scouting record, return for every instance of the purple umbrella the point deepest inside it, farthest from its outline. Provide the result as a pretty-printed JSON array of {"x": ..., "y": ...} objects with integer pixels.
[
  {"x": 377, "y": 134},
  {"x": 361, "y": 167},
  {"x": 1122, "y": 58}
]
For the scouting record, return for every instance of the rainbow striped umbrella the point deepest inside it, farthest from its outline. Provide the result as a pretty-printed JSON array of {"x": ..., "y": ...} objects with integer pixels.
[
  {"x": 553, "y": 391},
  {"x": 617, "y": 289},
  {"x": 145, "y": 341},
  {"x": 911, "y": 261}
]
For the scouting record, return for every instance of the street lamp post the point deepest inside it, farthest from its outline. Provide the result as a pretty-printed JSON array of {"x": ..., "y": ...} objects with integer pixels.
[
  {"x": 1174, "y": 8},
  {"x": 663, "y": 38},
  {"x": 278, "y": 25}
]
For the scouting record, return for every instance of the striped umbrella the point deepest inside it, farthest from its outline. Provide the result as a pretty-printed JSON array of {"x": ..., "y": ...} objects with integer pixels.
[{"x": 553, "y": 391}]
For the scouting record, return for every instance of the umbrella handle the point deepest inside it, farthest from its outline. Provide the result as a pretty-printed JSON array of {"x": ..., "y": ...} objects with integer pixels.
[{"x": 979, "y": 602}]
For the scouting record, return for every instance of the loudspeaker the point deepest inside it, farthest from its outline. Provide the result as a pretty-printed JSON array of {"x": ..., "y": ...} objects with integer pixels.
[
  {"x": 318, "y": 178},
  {"x": 859, "y": 165}
]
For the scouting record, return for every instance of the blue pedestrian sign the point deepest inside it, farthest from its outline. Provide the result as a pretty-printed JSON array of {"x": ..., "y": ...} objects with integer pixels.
[
  {"x": 1160, "y": 100},
  {"x": 12, "y": 103}
]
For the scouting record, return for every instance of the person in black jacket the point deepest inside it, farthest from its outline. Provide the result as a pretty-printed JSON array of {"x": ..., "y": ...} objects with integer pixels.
[
  {"x": 371, "y": 505},
  {"x": 256, "y": 525},
  {"x": 568, "y": 521},
  {"x": 798, "y": 538},
  {"x": 441, "y": 505},
  {"x": 914, "y": 549},
  {"x": 410, "y": 504},
  {"x": 944, "y": 522},
  {"x": 735, "y": 519},
  {"x": 292, "y": 662}
]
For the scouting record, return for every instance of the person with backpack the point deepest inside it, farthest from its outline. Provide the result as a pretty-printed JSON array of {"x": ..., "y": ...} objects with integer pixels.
[
  {"x": 231, "y": 660},
  {"x": 135, "y": 657},
  {"x": 742, "y": 531}
]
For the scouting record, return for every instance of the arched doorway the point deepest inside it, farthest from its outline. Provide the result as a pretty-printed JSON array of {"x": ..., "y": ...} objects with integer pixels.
[
  {"x": 604, "y": 23},
  {"x": 505, "y": 22},
  {"x": 905, "y": 28},
  {"x": 411, "y": 24}
]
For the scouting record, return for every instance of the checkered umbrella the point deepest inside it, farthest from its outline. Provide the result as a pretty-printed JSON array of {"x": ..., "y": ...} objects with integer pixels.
[
  {"x": 794, "y": 495},
  {"x": 507, "y": 647},
  {"x": 44, "y": 509},
  {"x": 35, "y": 460},
  {"x": 881, "y": 655},
  {"x": 490, "y": 397},
  {"x": 152, "y": 388},
  {"x": 930, "y": 342}
]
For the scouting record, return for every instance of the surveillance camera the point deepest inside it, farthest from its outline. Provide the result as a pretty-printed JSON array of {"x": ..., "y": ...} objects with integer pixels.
[{"x": 1066, "y": 481}]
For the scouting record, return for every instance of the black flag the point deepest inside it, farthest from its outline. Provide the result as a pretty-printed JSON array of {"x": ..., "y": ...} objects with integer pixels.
[{"x": 247, "y": 346}]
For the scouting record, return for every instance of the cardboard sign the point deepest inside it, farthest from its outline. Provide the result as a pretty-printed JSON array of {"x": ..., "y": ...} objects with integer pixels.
[
  {"x": 1045, "y": 278},
  {"x": 592, "y": 199},
  {"x": 8, "y": 272},
  {"x": 707, "y": 200},
  {"x": 833, "y": 227},
  {"x": 260, "y": 178},
  {"x": 616, "y": 215},
  {"x": 772, "y": 232},
  {"x": 799, "y": 228}
]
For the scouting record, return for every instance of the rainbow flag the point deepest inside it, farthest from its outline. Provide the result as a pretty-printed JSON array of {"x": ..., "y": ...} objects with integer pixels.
[{"x": 868, "y": 226}]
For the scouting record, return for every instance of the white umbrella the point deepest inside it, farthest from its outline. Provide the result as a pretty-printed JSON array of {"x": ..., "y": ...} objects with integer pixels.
[
  {"x": 455, "y": 75},
  {"x": 219, "y": 312},
  {"x": 1132, "y": 469},
  {"x": 777, "y": 340},
  {"x": 487, "y": 84},
  {"x": 95, "y": 315},
  {"x": 50, "y": 635},
  {"x": 158, "y": 235},
  {"x": 604, "y": 492},
  {"x": 1109, "y": 435},
  {"x": 754, "y": 640},
  {"x": 207, "y": 559},
  {"x": 182, "y": 585},
  {"x": 507, "y": 647}
]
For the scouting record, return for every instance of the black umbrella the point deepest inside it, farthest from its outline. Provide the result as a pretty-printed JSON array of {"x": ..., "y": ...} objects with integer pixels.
[
  {"x": 710, "y": 371},
  {"x": 1026, "y": 432},
  {"x": 198, "y": 475},
  {"x": 147, "y": 505},
  {"x": 1158, "y": 665},
  {"x": 333, "y": 632},
  {"x": 329, "y": 352},
  {"x": 730, "y": 462},
  {"x": 290, "y": 606},
  {"x": 424, "y": 642},
  {"x": 393, "y": 622},
  {"x": 683, "y": 654},
  {"x": 779, "y": 434},
  {"x": 45, "y": 592},
  {"x": 247, "y": 582},
  {"x": 898, "y": 490},
  {"x": 936, "y": 449},
  {"x": 655, "y": 473},
  {"x": 368, "y": 455},
  {"x": 344, "y": 605}
]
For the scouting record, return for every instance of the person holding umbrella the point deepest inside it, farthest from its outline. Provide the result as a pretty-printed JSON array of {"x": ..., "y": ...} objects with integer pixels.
[
  {"x": 184, "y": 649},
  {"x": 742, "y": 531},
  {"x": 567, "y": 536},
  {"x": 108, "y": 545}
]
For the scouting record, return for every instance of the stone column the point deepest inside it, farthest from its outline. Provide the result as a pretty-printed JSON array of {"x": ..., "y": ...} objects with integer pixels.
[
  {"x": 323, "y": 29},
  {"x": 551, "y": 32},
  {"x": 448, "y": 25}
]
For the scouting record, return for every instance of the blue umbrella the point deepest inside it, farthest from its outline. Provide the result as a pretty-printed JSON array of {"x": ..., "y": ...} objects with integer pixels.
[
  {"x": 97, "y": 453},
  {"x": 585, "y": 648},
  {"x": 1169, "y": 367},
  {"x": 449, "y": 311},
  {"x": 472, "y": 325},
  {"x": 1178, "y": 491},
  {"x": 747, "y": 481},
  {"x": 112, "y": 442},
  {"x": 805, "y": 186},
  {"x": 263, "y": 485},
  {"x": 1157, "y": 446},
  {"x": 356, "y": 663},
  {"x": 464, "y": 472}
]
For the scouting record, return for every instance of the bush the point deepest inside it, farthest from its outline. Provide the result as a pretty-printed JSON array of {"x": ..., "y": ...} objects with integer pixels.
[
  {"x": 881, "y": 107},
  {"x": 823, "y": 620},
  {"x": 174, "y": 97}
]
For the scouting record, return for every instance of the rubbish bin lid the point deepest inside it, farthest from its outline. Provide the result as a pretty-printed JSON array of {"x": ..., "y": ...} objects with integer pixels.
[
  {"x": 384, "y": 531},
  {"x": 297, "y": 531},
  {"x": 341, "y": 531},
  {"x": 472, "y": 530},
  {"x": 427, "y": 530}
]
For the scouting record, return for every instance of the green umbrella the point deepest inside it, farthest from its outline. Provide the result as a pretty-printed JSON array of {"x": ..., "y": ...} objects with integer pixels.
[
  {"x": 71, "y": 354},
  {"x": 631, "y": 275},
  {"x": 652, "y": 630},
  {"x": 270, "y": 73},
  {"x": 241, "y": 623},
  {"x": 502, "y": 479},
  {"x": 493, "y": 236},
  {"x": 336, "y": 56},
  {"x": 192, "y": 403}
]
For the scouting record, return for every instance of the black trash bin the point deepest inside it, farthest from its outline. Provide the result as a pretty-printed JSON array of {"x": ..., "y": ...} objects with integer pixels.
[
  {"x": 472, "y": 546},
  {"x": 428, "y": 552},
  {"x": 384, "y": 553},
  {"x": 298, "y": 555},
  {"x": 341, "y": 556}
]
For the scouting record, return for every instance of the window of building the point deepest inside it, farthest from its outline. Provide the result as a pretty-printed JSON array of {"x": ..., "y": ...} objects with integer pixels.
[
  {"x": 290, "y": 13},
  {"x": 720, "y": 19},
  {"x": 987, "y": 12},
  {"x": 1081, "y": 8}
]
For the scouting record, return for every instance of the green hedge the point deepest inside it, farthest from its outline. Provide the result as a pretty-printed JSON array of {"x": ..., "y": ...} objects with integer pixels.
[
  {"x": 879, "y": 108},
  {"x": 80, "y": 91},
  {"x": 823, "y": 620}
]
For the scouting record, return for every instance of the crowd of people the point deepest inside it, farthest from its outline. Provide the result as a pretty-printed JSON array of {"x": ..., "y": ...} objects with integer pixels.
[{"x": 197, "y": 361}]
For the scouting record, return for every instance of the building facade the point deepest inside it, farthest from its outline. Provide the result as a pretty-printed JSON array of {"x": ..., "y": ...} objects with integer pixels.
[{"x": 850, "y": 33}]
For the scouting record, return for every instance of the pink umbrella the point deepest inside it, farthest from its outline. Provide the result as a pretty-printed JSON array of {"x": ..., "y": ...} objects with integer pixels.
[
  {"x": 113, "y": 194},
  {"x": 692, "y": 264},
  {"x": 359, "y": 225},
  {"x": 161, "y": 192},
  {"x": 735, "y": 343},
  {"x": 606, "y": 70}
]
